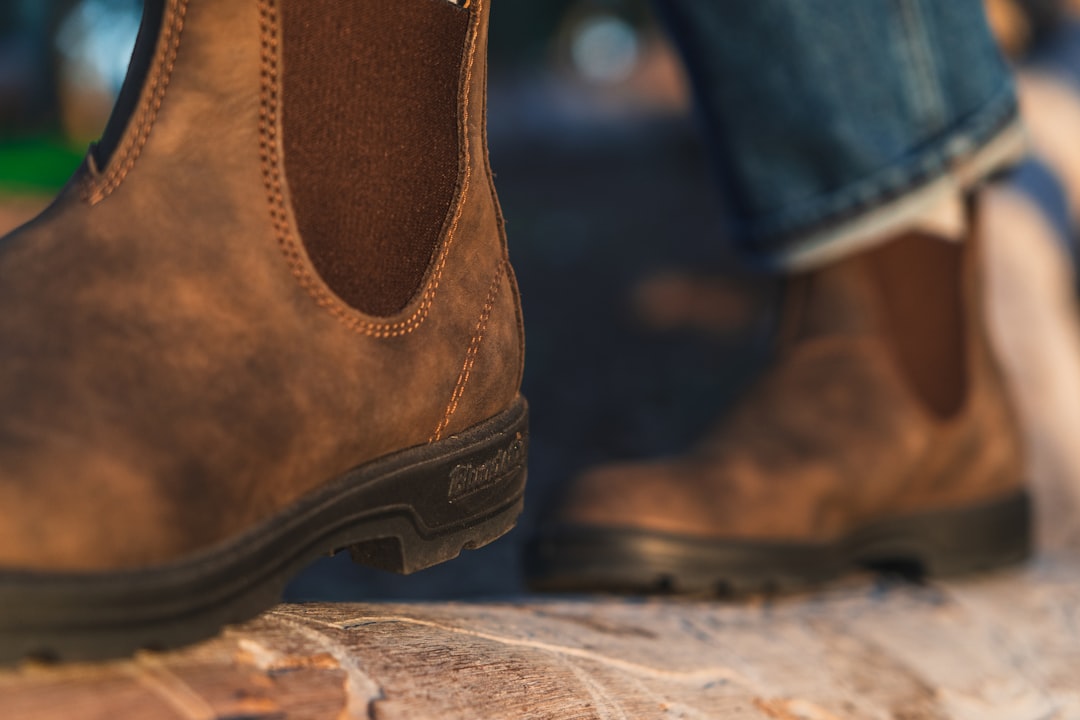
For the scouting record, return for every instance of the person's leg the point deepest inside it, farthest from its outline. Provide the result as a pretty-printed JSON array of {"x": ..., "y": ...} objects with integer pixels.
[
  {"x": 832, "y": 123},
  {"x": 271, "y": 317},
  {"x": 849, "y": 137}
]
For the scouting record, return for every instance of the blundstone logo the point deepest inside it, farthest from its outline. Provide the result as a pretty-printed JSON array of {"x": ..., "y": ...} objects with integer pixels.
[{"x": 468, "y": 479}]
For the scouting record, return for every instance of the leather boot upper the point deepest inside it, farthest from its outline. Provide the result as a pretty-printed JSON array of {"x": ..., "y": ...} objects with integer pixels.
[
  {"x": 173, "y": 367},
  {"x": 834, "y": 437}
]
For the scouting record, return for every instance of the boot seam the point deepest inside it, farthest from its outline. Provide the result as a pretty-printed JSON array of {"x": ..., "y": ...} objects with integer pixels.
[
  {"x": 149, "y": 107},
  {"x": 472, "y": 353},
  {"x": 273, "y": 180},
  {"x": 500, "y": 221}
]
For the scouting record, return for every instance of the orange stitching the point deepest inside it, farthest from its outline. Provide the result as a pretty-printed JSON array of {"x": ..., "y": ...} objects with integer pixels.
[
  {"x": 270, "y": 152},
  {"x": 131, "y": 150},
  {"x": 471, "y": 355}
]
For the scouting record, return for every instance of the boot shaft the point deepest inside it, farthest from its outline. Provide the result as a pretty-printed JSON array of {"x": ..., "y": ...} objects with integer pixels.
[
  {"x": 374, "y": 112},
  {"x": 920, "y": 301},
  {"x": 921, "y": 297},
  {"x": 214, "y": 137}
]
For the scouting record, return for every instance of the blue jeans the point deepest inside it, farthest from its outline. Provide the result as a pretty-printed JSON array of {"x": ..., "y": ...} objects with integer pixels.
[{"x": 833, "y": 121}]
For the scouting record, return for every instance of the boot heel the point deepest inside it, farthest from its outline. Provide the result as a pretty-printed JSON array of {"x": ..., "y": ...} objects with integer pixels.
[
  {"x": 409, "y": 552},
  {"x": 459, "y": 493},
  {"x": 952, "y": 542}
]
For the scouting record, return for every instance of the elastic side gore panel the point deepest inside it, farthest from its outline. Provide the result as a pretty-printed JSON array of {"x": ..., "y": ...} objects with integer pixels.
[
  {"x": 371, "y": 136},
  {"x": 920, "y": 280}
]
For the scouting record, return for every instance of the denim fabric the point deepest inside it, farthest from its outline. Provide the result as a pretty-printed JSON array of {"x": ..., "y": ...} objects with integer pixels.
[{"x": 820, "y": 111}]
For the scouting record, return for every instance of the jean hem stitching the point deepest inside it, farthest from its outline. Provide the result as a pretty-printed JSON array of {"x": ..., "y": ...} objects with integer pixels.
[{"x": 964, "y": 140}]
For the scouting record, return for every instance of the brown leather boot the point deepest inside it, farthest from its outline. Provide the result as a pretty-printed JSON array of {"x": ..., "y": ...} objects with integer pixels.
[
  {"x": 882, "y": 436},
  {"x": 271, "y": 317}
]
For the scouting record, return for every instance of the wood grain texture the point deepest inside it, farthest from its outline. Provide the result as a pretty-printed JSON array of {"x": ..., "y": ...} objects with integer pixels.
[{"x": 1003, "y": 646}]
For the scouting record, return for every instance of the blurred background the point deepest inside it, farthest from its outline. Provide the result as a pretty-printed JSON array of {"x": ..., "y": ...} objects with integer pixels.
[{"x": 649, "y": 332}]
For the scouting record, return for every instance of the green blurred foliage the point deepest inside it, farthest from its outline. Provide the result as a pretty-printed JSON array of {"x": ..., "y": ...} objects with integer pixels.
[{"x": 36, "y": 166}]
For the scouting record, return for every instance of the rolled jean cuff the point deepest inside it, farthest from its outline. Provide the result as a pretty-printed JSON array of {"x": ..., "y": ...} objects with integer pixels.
[{"x": 886, "y": 203}]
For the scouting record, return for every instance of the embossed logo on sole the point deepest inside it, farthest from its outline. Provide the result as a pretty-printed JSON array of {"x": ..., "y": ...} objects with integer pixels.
[{"x": 469, "y": 479}]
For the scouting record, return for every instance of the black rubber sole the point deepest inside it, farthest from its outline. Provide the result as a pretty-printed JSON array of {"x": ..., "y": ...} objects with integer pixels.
[
  {"x": 404, "y": 512},
  {"x": 591, "y": 559}
]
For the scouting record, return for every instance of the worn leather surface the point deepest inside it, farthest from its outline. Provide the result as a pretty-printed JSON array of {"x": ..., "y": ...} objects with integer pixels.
[
  {"x": 834, "y": 437},
  {"x": 172, "y": 368}
]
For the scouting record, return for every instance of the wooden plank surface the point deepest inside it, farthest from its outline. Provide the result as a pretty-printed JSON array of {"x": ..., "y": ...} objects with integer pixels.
[{"x": 1003, "y": 646}]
